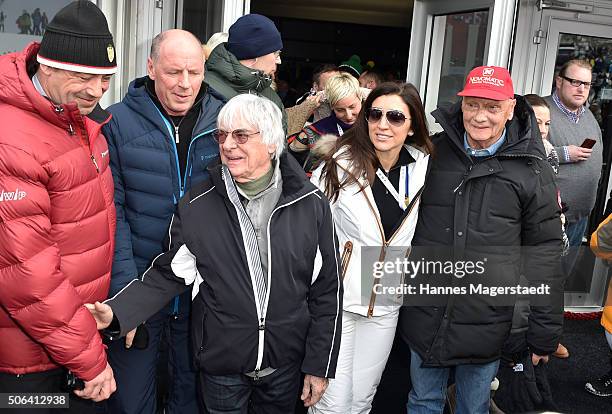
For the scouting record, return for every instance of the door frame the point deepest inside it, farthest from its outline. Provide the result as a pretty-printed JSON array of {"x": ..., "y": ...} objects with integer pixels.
[
  {"x": 535, "y": 71},
  {"x": 424, "y": 42}
]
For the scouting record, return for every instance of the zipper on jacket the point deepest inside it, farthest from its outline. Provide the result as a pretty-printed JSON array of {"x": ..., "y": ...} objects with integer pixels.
[
  {"x": 188, "y": 165},
  {"x": 173, "y": 145},
  {"x": 385, "y": 244},
  {"x": 176, "y": 134},
  {"x": 95, "y": 163},
  {"x": 262, "y": 319}
]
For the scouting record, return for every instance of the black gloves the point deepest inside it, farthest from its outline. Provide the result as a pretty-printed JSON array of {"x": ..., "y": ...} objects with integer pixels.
[{"x": 523, "y": 387}]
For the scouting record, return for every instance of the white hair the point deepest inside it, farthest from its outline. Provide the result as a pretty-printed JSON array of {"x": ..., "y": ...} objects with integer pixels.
[{"x": 258, "y": 113}]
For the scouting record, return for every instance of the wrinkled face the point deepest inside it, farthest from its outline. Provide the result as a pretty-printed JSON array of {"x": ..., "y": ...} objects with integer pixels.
[
  {"x": 484, "y": 119},
  {"x": 573, "y": 97},
  {"x": 323, "y": 78},
  {"x": 178, "y": 73},
  {"x": 250, "y": 160},
  {"x": 384, "y": 136},
  {"x": 542, "y": 115},
  {"x": 267, "y": 63},
  {"x": 347, "y": 109},
  {"x": 65, "y": 86}
]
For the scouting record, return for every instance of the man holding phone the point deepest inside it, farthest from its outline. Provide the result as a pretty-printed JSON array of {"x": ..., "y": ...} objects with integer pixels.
[{"x": 576, "y": 136}]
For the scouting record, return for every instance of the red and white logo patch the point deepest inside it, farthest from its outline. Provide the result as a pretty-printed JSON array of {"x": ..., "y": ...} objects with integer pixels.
[{"x": 488, "y": 72}]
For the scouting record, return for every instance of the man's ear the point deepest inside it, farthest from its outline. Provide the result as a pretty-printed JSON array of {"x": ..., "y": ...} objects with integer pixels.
[
  {"x": 271, "y": 149},
  {"x": 511, "y": 109},
  {"x": 150, "y": 70},
  {"x": 47, "y": 70},
  {"x": 558, "y": 81}
]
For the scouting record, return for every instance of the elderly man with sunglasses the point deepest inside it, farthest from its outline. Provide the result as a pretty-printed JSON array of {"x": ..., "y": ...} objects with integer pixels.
[
  {"x": 579, "y": 162},
  {"x": 489, "y": 193},
  {"x": 255, "y": 245}
]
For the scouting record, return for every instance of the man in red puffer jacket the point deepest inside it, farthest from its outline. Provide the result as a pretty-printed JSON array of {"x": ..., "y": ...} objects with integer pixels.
[{"x": 57, "y": 218}]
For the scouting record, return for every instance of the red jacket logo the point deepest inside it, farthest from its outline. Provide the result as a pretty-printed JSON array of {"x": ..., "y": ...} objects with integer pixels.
[{"x": 12, "y": 195}]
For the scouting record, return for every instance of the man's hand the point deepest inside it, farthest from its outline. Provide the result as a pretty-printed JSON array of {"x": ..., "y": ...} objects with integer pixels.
[
  {"x": 578, "y": 153},
  {"x": 313, "y": 390},
  {"x": 535, "y": 359},
  {"x": 99, "y": 388},
  {"x": 102, "y": 313},
  {"x": 129, "y": 338}
]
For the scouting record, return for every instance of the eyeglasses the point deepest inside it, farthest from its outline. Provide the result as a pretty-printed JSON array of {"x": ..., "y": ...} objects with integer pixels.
[
  {"x": 493, "y": 108},
  {"x": 394, "y": 117},
  {"x": 240, "y": 135},
  {"x": 576, "y": 83}
]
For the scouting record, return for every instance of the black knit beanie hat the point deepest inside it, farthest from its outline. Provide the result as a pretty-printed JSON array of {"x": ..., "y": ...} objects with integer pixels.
[
  {"x": 252, "y": 36},
  {"x": 78, "y": 39}
]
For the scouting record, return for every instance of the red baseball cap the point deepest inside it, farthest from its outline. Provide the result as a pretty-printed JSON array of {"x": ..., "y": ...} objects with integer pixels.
[{"x": 491, "y": 82}]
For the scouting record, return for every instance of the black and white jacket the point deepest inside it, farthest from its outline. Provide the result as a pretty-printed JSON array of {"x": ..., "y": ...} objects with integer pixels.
[{"x": 242, "y": 319}]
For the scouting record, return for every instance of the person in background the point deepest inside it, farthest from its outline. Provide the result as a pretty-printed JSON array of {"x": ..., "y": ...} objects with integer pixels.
[
  {"x": 542, "y": 113},
  {"x": 370, "y": 78},
  {"x": 214, "y": 41},
  {"x": 580, "y": 167},
  {"x": 256, "y": 248},
  {"x": 601, "y": 244},
  {"x": 344, "y": 97},
  {"x": 352, "y": 65},
  {"x": 312, "y": 103},
  {"x": 381, "y": 161},
  {"x": 161, "y": 144},
  {"x": 247, "y": 62},
  {"x": 57, "y": 218}
]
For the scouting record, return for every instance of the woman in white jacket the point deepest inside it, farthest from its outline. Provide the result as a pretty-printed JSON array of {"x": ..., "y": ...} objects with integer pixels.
[{"x": 373, "y": 178}]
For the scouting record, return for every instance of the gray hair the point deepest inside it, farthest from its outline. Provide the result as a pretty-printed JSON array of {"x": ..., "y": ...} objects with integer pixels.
[{"x": 257, "y": 112}]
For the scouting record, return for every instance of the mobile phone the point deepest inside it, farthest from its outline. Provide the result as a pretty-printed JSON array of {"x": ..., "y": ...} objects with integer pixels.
[{"x": 588, "y": 143}]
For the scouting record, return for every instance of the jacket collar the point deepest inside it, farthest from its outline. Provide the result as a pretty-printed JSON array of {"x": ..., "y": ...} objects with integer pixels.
[
  {"x": 522, "y": 138},
  {"x": 140, "y": 101},
  {"x": 295, "y": 183},
  {"x": 241, "y": 78}
]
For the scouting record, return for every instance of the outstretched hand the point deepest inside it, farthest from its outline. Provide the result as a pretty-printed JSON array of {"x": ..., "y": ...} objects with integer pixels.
[{"x": 102, "y": 313}]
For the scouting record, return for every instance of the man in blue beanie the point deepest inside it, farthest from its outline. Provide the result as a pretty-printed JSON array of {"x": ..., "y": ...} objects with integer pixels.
[{"x": 247, "y": 62}]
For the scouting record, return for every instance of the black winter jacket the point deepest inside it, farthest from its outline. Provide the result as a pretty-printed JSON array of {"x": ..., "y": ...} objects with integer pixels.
[
  {"x": 232, "y": 332},
  {"x": 508, "y": 199}
]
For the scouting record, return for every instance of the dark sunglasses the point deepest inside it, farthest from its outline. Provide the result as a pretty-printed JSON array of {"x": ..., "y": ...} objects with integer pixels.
[
  {"x": 394, "y": 117},
  {"x": 240, "y": 135},
  {"x": 576, "y": 83}
]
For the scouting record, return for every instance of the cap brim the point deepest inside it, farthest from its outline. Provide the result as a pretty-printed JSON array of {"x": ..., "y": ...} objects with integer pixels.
[{"x": 484, "y": 93}]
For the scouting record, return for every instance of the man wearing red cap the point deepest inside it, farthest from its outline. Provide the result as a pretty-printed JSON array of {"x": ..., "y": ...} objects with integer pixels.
[
  {"x": 57, "y": 218},
  {"x": 489, "y": 190}
]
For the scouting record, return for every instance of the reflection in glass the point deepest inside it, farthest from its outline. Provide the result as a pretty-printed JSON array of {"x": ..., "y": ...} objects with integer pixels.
[
  {"x": 598, "y": 51},
  {"x": 464, "y": 48}
]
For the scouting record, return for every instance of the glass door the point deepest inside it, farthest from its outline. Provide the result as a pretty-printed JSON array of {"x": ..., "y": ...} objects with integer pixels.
[
  {"x": 459, "y": 43},
  {"x": 571, "y": 39}
]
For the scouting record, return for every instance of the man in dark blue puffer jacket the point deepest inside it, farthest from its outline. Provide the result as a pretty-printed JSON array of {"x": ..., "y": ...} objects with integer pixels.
[{"x": 160, "y": 145}]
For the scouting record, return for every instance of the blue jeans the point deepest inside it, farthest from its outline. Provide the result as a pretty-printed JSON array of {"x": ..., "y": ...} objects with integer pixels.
[
  {"x": 575, "y": 232},
  {"x": 428, "y": 394},
  {"x": 275, "y": 393}
]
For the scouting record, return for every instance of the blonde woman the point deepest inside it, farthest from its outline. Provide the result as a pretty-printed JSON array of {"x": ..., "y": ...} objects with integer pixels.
[{"x": 344, "y": 97}]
